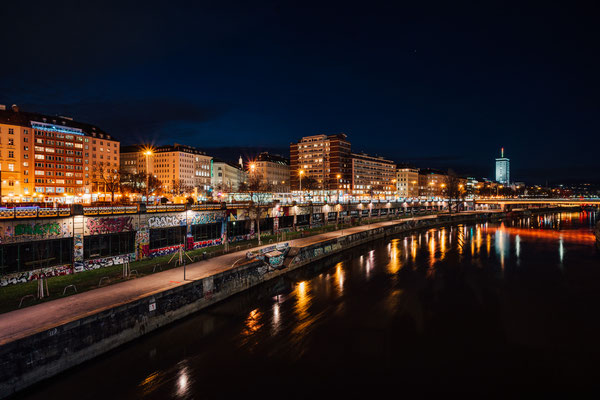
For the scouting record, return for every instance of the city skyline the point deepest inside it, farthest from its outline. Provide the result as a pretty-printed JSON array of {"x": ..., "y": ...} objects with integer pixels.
[{"x": 437, "y": 87}]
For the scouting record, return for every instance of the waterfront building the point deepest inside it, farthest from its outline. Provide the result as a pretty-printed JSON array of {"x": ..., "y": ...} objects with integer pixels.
[
  {"x": 322, "y": 160},
  {"x": 471, "y": 186},
  {"x": 407, "y": 181},
  {"x": 503, "y": 169},
  {"x": 179, "y": 167},
  {"x": 431, "y": 182},
  {"x": 52, "y": 158},
  {"x": 274, "y": 171},
  {"x": 372, "y": 175},
  {"x": 226, "y": 176}
]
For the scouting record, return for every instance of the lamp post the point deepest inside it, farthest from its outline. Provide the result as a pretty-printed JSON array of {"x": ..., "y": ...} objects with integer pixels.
[
  {"x": 301, "y": 196},
  {"x": 147, "y": 153}
]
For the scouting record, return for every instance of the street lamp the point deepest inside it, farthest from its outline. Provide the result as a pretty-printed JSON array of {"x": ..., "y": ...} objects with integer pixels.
[
  {"x": 147, "y": 153},
  {"x": 301, "y": 173}
]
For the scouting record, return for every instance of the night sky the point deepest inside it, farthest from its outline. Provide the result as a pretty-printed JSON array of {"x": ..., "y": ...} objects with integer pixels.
[{"x": 435, "y": 84}]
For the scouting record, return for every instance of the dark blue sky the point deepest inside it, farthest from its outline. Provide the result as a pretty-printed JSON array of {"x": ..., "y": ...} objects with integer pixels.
[{"x": 437, "y": 84}]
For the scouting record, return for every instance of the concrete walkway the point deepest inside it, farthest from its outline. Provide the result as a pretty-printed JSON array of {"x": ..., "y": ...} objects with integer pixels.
[{"x": 28, "y": 321}]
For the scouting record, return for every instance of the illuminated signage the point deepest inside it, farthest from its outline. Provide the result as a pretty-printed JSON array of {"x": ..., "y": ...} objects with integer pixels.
[{"x": 56, "y": 128}]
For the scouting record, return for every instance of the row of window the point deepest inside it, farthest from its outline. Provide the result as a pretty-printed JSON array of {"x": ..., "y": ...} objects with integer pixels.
[{"x": 31, "y": 255}]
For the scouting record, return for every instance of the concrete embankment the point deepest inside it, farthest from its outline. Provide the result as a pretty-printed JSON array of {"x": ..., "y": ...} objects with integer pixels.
[{"x": 50, "y": 350}]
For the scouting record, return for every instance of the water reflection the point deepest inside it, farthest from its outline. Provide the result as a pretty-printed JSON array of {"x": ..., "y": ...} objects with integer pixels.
[
  {"x": 339, "y": 277},
  {"x": 395, "y": 264},
  {"x": 183, "y": 383}
]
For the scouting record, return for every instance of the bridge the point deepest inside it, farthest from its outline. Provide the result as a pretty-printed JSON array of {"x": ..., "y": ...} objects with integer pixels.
[{"x": 509, "y": 203}]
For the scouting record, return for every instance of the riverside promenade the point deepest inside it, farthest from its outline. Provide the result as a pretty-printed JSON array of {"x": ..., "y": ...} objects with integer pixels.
[{"x": 18, "y": 324}]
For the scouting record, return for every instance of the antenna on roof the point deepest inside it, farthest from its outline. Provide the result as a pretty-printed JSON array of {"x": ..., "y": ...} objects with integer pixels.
[{"x": 502, "y": 152}]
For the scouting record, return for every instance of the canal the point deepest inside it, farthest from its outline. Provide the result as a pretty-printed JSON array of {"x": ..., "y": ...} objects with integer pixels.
[{"x": 501, "y": 308}]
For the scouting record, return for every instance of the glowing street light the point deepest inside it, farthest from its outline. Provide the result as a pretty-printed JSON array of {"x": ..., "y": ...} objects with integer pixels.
[{"x": 148, "y": 152}]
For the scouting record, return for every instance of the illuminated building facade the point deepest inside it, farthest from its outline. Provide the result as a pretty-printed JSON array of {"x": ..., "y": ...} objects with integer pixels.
[
  {"x": 431, "y": 183},
  {"x": 274, "y": 170},
  {"x": 372, "y": 175},
  {"x": 407, "y": 182},
  {"x": 50, "y": 158},
  {"x": 325, "y": 159},
  {"x": 226, "y": 176},
  {"x": 178, "y": 167},
  {"x": 503, "y": 169}
]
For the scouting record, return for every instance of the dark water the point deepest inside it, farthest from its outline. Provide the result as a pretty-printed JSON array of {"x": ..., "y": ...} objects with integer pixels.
[{"x": 500, "y": 309}]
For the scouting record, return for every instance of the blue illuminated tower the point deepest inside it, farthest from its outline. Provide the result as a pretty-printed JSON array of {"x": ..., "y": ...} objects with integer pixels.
[{"x": 503, "y": 169}]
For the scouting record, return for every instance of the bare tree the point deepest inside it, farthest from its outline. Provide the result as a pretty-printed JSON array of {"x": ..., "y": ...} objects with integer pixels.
[
  {"x": 254, "y": 187},
  {"x": 454, "y": 189},
  {"x": 309, "y": 183},
  {"x": 223, "y": 187},
  {"x": 154, "y": 185},
  {"x": 133, "y": 182},
  {"x": 179, "y": 187},
  {"x": 106, "y": 177}
]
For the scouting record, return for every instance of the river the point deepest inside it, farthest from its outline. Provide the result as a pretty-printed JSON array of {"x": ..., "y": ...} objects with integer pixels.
[{"x": 497, "y": 308}]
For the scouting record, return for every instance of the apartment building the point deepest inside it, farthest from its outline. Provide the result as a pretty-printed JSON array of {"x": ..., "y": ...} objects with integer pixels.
[
  {"x": 51, "y": 158},
  {"x": 226, "y": 176},
  {"x": 179, "y": 167},
  {"x": 407, "y": 182},
  {"x": 372, "y": 175},
  {"x": 274, "y": 171},
  {"x": 323, "y": 160},
  {"x": 431, "y": 183}
]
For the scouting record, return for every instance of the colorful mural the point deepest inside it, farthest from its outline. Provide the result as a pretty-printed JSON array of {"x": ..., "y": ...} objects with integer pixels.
[
  {"x": 166, "y": 221},
  {"x": 142, "y": 243},
  {"x": 26, "y": 276},
  {"x": 207, "y": 243},
  {"x": 197, "y": 218},
  {"x": 21, "y": 231},
  {"x": 163, "y": 251},
  {"x": 103, "y": 225},
  {"x": 78, "y": 250},
  {"x": 107, "y": 261}
]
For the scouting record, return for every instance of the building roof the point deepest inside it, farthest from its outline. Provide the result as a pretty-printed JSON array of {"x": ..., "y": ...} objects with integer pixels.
[
  {"x": 231, "y": 164},
  {"x": 366, "y": 156},
  {"x": 14, "y": 116},
  {"x": 430, "y": 171},
  {"x": 274, "y": 158},
  {"x": 178, "y": 147},
  {"x": 162, "y": 149}
]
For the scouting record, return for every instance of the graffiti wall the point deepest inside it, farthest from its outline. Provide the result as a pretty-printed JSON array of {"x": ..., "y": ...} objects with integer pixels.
[
  {"x": 104, "y": 225},
  {"x": 210, "y": 217},
  {"x": 166, "y": 220},
  {"x": 78, "y": 249},
  {"x": 315, "y": 252},
  {"x": 26, "y": 276},
  {"x": 273, "y": 256},
  {"x": 207, "y": 243},
  {"x": 164, "y": 251},
  {"x": 22, "y": 231},
  {"x": 142, "y": 243},
  {"x": 105, "y": 262}
]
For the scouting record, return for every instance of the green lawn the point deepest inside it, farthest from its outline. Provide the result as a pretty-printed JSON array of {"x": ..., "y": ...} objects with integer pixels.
[{"x": 11, "y": 295}]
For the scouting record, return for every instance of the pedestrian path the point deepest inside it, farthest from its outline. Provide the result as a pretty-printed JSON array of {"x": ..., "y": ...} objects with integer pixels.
[{"x": 28, "y": 321}]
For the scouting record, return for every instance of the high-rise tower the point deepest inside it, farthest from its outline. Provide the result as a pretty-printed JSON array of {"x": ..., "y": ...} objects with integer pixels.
[{"x": 503, "y": 169}]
